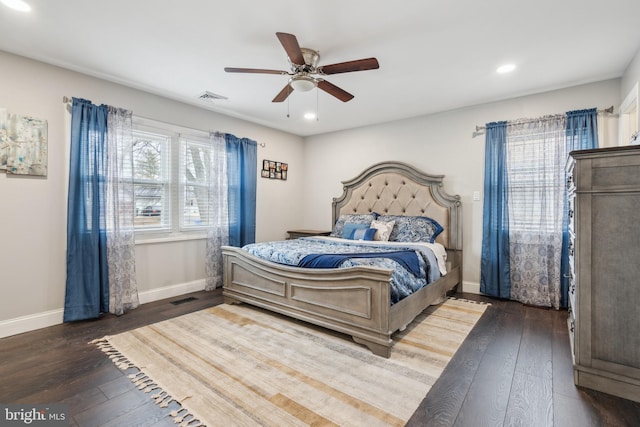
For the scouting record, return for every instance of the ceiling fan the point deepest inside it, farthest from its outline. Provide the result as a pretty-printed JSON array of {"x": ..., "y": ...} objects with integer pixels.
[{"x": 304, "y": 69}]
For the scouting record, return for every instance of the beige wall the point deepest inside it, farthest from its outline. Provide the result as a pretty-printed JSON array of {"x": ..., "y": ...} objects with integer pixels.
[
  {"x": 33, "y": 210},
  {"x": 631, "y": 76},
  {"x": 630, "y": 101},
  {"x": 439, "y": 144}
]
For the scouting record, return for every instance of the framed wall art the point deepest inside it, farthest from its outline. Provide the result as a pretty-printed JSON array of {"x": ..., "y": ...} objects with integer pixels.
[
  {"x": 23, "y": 144},
  {"x": 274, "y": 170}
]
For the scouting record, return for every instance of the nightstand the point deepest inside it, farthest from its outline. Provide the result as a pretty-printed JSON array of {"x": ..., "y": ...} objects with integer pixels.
[{"x": 294, "y": 234}]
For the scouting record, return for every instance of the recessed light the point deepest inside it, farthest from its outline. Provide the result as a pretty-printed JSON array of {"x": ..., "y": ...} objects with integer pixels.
[
  {"x": 309, "y": 116},
  {"x": 506, "y": 68},
  {"x": 18, "y": 5}
]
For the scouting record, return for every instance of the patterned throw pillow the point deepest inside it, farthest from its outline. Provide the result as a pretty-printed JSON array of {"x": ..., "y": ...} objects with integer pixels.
[
  {"x": 354, "y": 219},
  {"x": 384, "y": 229},
  {"x": 413, "y": 228}
]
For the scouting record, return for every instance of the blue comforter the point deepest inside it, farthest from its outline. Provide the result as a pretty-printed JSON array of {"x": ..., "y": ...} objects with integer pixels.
[
  {"x": 403, "y": 281},
  {"x": 408, "y": 259}
]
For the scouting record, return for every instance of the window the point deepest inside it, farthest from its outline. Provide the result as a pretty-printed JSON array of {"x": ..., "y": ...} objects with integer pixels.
[
  {"x": 196, "y": 169},
  {"x": 535, "y": 166},
  {"x": 151, "y": 180},
  {"x": 172, "y": 170}
]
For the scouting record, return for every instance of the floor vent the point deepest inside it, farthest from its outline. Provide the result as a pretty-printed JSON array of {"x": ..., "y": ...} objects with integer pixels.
[{"x": 183, "y": 300}]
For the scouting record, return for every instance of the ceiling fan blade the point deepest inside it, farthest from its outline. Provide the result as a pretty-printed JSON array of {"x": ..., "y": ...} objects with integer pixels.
[
  {"x": 291, "y": 46},
  {"x": 349, "y": 66},
  {"x": 334, "y": 90},
  {"x": 283, "y": 94},
  {"x": 253, "y": 70}
]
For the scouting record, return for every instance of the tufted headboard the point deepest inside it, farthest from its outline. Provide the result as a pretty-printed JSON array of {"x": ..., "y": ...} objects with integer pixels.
[{"x": 396, "y": 188}]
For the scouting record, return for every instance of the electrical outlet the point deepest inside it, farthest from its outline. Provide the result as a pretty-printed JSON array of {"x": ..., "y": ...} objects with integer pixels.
[{"x": 476, "y": 196}]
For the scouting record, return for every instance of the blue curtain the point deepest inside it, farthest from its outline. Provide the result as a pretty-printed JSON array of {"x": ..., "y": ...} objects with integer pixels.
[
  {"x": 242, "y": 180},
  {"x": 581, "y": 134},
  {"x": 87, "y": 286},
  {"x": 495, "y": 268}
]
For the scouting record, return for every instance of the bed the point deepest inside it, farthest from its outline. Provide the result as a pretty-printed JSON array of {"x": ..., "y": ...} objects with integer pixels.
[{"x": 357, "y": 300}]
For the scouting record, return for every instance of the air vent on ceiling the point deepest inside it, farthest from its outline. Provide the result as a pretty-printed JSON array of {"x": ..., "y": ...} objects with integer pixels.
[{"x": 210, "y": 96}]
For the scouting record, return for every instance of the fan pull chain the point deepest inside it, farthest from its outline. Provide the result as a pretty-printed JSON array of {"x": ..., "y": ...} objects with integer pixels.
[{"x": 288, "y": 107}]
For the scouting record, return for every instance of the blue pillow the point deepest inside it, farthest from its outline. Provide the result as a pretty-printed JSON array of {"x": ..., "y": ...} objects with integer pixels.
[
  {"x": 363, "y": 234},
  {"x": 350, "y": 227}
]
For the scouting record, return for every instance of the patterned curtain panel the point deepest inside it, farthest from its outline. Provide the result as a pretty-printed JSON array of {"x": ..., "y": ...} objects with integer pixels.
[
  {"x": 233, "y": 192},
  {"x": 536, "y": 158},
  {"x": 121, "y": 249},
  {"x": 524, "y": 224},
  {"x": 218, "y": 234},
  {"x": 100, "y": 252}
]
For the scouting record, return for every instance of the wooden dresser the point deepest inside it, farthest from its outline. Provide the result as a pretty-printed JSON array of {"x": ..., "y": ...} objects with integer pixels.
[{"x": 604, "y": 259}]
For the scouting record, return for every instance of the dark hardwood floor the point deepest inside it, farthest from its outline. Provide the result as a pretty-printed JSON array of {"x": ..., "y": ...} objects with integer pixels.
[{"x": 514, "y": 369}]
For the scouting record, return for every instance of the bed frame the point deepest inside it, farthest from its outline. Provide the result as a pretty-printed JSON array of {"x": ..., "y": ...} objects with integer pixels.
[{"x": 355, "y": 301}]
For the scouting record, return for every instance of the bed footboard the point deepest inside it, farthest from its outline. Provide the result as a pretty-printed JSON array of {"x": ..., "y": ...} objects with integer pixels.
[{"x": 352, "y": 301}]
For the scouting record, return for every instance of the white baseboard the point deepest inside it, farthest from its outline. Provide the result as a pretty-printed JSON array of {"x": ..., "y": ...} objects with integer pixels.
[
  {"x": 31, "y": 322},
  {"x": 471, "y": 287},
  {"x": 171, "y": 291},
  {"x": 35, "y": 321}
]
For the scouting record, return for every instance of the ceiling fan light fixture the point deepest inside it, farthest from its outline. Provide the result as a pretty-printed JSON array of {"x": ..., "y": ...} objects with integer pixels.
[
  {"x": 304, "y": 65},
  {"x": 302, "y": 83}
]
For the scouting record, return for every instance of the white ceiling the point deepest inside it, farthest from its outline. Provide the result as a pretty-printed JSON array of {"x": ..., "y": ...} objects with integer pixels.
[{"x": 434, "y": 55}]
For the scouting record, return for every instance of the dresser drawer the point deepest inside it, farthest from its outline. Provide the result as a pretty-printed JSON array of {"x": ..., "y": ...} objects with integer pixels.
[
  {"x": 572, "y": 295},
  {"x": 615, "y": 173},
  {"x": 571, "y": 326},
  {"x": 569, "y": 173},
  {"x": 571, "y": 214},
  {"x": 571, "y": 249}
]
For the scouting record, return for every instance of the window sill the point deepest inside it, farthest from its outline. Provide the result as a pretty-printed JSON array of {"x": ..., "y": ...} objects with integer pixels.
[{"x": 148, "y": 240}]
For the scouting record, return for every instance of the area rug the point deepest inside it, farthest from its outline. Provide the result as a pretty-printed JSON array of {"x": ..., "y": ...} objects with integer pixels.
[{"x": 237, "y": 365}]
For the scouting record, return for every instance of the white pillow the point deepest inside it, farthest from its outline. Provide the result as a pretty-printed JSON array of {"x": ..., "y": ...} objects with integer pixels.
[{"x": 383, "y": 229}]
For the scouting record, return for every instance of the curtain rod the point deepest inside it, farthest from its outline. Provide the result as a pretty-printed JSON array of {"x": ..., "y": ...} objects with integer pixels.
[
  {"x": 606, "y": 110},
  {"x": 67, "y": 100}
]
